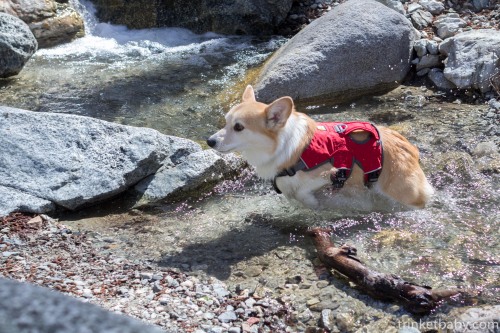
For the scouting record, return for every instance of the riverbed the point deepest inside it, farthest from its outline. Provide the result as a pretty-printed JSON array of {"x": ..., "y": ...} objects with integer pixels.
[{"x": 242, "y": 232}]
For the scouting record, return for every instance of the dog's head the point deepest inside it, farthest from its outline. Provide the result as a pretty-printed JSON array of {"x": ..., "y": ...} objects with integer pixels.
[{"x": 252, "y": 128}]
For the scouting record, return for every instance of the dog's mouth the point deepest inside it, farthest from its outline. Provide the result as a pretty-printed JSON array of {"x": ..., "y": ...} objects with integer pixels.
[{"x": 227, "y": 151}]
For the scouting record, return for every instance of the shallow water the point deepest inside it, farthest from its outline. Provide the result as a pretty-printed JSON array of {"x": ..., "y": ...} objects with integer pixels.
[
  {"x": 241, "y": 231},
  {"x": 181, "y": 83},
  {"x": 169, "y": 79}
]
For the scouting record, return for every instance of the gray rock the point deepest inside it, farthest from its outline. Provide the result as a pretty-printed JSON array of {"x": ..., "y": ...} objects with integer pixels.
[
  {"x": 449, "y": 25},
  {"x": 437, "y": 77},
  {"x": 494, "y": 104},
  {"x": 473, "y": 59},
  {"x": 432, "y": 47},
  {"x": 479, "y": 5},
  {"x": 197, "y": 170},
  {"x": 338, "y": 56},
  {"x": 423, "y": 72},
  {"x": 420, "y": 47},
  {"x": 220, "y": 290},
  {"x": 256, "y": 17},
  {"x": 428, "y": 61},
  {"x": 12, "y": 200},
  {"x": 25, "y": 308},
  {"x": 432, "y": 6},
  {"x": 326, "y": 319},
  {"x": 394, "y": 4},
  {"x": 74, "y": 161},
  {"x": 413, "y": 6},
  {"x": 421, "y": 19},
  {"x": 227, "y": 316},
  {"x": 17, "y": 45}
]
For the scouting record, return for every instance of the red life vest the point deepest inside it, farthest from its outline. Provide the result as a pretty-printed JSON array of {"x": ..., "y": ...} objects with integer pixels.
[{"x": 332, "y": 143}]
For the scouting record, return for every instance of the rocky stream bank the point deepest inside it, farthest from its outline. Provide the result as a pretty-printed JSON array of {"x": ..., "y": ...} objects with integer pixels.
[
  {"x": 143, "y": 264},
  {"x": 235, "y": 259}
]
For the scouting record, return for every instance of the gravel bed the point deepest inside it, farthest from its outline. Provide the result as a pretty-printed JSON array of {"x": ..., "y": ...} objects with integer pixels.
[{"x": 39, "y": 250}]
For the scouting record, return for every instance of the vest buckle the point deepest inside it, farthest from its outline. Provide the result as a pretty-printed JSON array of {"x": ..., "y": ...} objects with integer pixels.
[{"x": 338, "y": 179}]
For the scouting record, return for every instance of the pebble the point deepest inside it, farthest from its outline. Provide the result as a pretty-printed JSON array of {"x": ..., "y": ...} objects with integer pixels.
[
  {"x": 313, "y": 301},
  {"x": 227, "y": 316},
  {"x": 87, "y": 293},
  {"x": 322, "y": 284}
]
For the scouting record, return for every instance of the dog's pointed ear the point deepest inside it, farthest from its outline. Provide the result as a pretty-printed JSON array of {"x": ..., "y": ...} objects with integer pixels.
[
  {"x": 277, "y": 112},
  {"x": 249, "y": 94}
]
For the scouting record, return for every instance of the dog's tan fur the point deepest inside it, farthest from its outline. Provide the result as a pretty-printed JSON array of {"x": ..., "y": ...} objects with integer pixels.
[{"x": 274, "y": 136}]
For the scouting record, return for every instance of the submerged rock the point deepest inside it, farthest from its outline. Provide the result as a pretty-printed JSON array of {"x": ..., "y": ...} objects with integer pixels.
[
  {"x": 479, "y": 319},
  {"x": 73, "y": 161},
  {"x": 17, "y": 45},
  {"x": 339, "y": 56}
]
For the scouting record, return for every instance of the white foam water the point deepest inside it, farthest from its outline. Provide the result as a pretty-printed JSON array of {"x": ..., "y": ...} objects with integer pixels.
[{"x": 109, "y": 41}]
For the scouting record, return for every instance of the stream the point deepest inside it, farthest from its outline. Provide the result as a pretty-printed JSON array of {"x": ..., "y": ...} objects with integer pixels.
[{"x": 243, "y": 233}]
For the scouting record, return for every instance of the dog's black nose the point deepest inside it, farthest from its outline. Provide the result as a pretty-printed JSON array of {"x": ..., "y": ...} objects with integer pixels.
[{"x": 211, "y": 142}]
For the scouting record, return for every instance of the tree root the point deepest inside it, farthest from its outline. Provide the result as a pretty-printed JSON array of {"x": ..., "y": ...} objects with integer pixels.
[{"x": 416, "y": 299}]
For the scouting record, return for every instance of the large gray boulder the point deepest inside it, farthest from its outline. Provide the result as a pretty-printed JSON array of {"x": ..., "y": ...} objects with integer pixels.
[
  {"x": 52, "y": 22},
  {"x": 473, "y": 59},
  {"x": 17, "y": 45},
  {"x": 72, "y": 161},
  {"x": 26, "y": 308},
  {"x": 359, "y": 48},
  {"x": 12, "y": 200},
  {"x": 255, "y": 17}
]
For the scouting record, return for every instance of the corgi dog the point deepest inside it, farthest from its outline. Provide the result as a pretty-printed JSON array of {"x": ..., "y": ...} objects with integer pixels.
[{"x": 274, "y": 139}]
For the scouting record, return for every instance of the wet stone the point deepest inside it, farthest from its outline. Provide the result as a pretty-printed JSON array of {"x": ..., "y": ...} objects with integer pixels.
[
  {"x": 253, "y": 271},
  {"x": 322, "y": 284}
]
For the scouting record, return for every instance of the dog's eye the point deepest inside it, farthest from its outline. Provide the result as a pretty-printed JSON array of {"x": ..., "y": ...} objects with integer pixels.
[{"x": 238, "y": 127}]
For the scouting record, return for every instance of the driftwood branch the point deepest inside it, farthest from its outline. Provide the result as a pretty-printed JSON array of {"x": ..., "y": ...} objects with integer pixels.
[{"x": 416, "y": 299}]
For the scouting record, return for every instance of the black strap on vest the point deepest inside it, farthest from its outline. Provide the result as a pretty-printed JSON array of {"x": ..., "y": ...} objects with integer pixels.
[
  {"x": 300, "y": 165},
  {"x": 338, "y": 180}
]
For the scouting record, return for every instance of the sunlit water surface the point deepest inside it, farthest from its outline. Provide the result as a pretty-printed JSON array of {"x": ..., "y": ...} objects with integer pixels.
[{"x": 180, "y": 83}]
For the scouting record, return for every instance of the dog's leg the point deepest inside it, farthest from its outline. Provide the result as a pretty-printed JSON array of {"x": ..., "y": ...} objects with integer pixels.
[
  {"x": 303, "y": 186},
  {"x": 308, "y": 199},
  {"x": 402, "y": 179}
]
